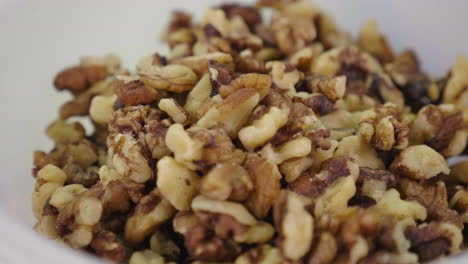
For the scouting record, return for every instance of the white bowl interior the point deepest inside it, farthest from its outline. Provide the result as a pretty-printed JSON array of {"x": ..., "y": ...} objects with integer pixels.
[{"x": 39, "y": 38}]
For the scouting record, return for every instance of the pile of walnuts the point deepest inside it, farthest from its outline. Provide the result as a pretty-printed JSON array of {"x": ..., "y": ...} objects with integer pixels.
[{"x": 259, "y": 141}]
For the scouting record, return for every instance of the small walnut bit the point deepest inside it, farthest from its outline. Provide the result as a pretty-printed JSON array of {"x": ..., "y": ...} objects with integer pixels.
[
  {"x": 202, "y": 244},
  {"x": 433, "y": 196},
  {"x": 459, "y": 202},
  {"x": 263, "y": 128},
  {"x": 260, "y": 82},
  {"x": 177, "y": 183},
  {"x": 303, "y": 58},
  {"x": 394, "y": 242},
  {"x": 62, "y": 131},
  {"x": 179, "y": 20},
  {"x": 235, "y": 210},
  {"x": 374, "y": 183},
  {"x": 335, "y": 199},
  {"x": 443, "y": 130},
  {"x": 292, "y": 33},
  {"x": 231, "y": 219},
  {"x": 319, "y": 103},
  {"x": 418, "y": 88},
  {"x": 200, "y": 64},
  {"x": 298, "y": 147},
  {"x": 134, "y": 92},
  {"x": 357, "y": 148},
  {"x": 107, "y": 244},
  {"x": 332, "y": 87},
  {"x": 46, "y": 226},
  {"x": 63, "y": 195},
  {"x": 455, "y": 91},
  {"x": 264, "y": 254},
  {"x": 313, "y": 185},
  {"x": 329, "y": 34},
  {"x": 392, "y": 204},
  {"x": 198, "y": 95},
  {"x": 240, "y": 36},
  {"x": 102, "y": 108},
  {"x": 185, "y": 221},
  {"x": 171, "y": 78},
  {"x": 77, "y": 175},
  {"x": 266, "y": 182},
  {"x": 364, "y": 224},
  {"x": 201, "y": 148},
  {"x": 373, "y": 42},
  {"x": 49, "y": 179},
  {"x": 431, "y": 240},
  {"x": 247, "y": 62},
  {"x": 250, "y": 15},
  {"x": 152, "y": 211},
  {"x": 128, "y": 157},
  {"x": 227, "y": 181},
  {"x": 419, "y": 162},
  {"x": 147, "y": 256},
  {"x": 232, "y": 113},
  {"x": 458, "y": 173},
  {"x": 80, "y": 78},
  {"x": 284, "y": 77},
  {"x": 295, "y": 226},
  {"x": 174, "y": 110},
  {"x": 162, "y": 244},
  {"x": 325, "y": 251},
  {"x": 79, "y": 105},
  {"x": 220, "y": 74}
]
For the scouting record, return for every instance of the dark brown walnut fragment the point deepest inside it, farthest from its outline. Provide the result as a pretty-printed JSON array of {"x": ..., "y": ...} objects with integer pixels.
[
  {"x": 433, "y": 196},
  {"x": 371, "y": 185},
  {"x": 418, "y": 88},
  {"x": 134, "y": 92},
  {"x": 434, "y": 239},
  {"x": 319, "y": 103},
  {"x": 250, "y": 15},
  {"x": 79, "y": 78}
]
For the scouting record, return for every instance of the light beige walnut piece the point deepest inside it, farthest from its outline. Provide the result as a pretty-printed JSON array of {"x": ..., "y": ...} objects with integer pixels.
[
  {"x": 455, "y": 90},
  {"x": 174, "y": 110},
  {"x": 177, "y": 183},
  {"x": 152, "y": 211},
  {"x": 227, "y": 181},
  {"x": 283, "y": 78},
  {"x": 232, "y": 113},
  {"x": 392, "y": 204},
  {"x": 295, "y": 148},
  {"x": 263, "y": 128},
  {"x": 373, "y": 42},
  {"x": 198, "y": 95},
  {"x": 264, "y": 254},
  {"x": 294, "y": 224},
  {"x": 419, "y": 162},
  {"x": 357, "y": 148},
  {"x": 102, "y": 108},
  {"x": 172, "y": 78}
]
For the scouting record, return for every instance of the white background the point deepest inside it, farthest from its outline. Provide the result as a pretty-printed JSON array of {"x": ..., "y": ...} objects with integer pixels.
[{"x": 40, "y": 37}]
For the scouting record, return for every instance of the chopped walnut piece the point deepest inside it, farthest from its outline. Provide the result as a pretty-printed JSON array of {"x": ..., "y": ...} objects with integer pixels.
[
  {"x": 264, "y": 254},
  {"x": 134, "y": 92},
  {"x": 434, "y": 239},
  {"x": 106, "y": 244},
  {"x": 455, "y": 91},
  {"x": 292, "y": 33},
  {"x": 171, "y": 78},
  {"x": 392, "y": 204},
  {"x": 373, "y": 42},
  {"x": 80, "y": 78},
  {"x": 227, "y": 181},
  {"x": 433, "y": 196},
  {"x": 419, "y": 162},
  {"x": 260, "y": 82},
  {"x": 152, "y": 211},
  {"x": 64, "y": 132},
  {"x": 333, "y": 88},
  {"x": 263, "y": 174},
  {"x": 295, "y": 226},
  {"x": 357, "y": 148},
  {"x": 232, "y": 113},
  {"x": 177, "y": 183}
]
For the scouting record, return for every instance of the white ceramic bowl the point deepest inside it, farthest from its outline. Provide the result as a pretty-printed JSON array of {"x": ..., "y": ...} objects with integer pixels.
[{"x": 38, "y": 38}]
